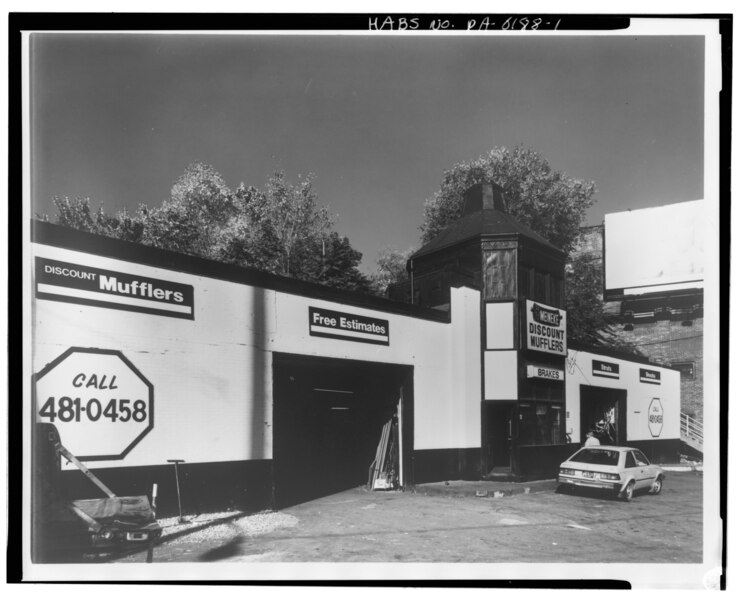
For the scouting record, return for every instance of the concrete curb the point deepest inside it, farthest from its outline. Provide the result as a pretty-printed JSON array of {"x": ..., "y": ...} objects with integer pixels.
[
  {"x": 683, "y": 468},
  {"x": 495, "y": 490},
  {"x": 484, "y": 489}
]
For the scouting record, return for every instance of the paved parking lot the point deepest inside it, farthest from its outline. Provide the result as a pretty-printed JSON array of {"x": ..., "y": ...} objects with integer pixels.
[{"x": 541, "y": 526}]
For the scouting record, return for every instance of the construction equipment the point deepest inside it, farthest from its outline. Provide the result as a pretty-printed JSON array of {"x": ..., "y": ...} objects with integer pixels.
[{"x": 107, "y": 523}]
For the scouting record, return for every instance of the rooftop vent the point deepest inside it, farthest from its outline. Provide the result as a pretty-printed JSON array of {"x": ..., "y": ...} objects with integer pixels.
[{"x": 483, "y": 196}]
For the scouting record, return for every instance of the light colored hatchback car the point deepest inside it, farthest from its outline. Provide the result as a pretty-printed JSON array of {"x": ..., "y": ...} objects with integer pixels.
[{"x": 622, "y": 470}]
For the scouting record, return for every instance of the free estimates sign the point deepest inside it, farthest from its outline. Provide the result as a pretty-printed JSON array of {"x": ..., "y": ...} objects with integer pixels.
[
  {"x": 101, "y": 404},
  {"x": 546, "y": 328},
  {"x": 78, "y": 284},
  {"x": 351, "y": 327}
]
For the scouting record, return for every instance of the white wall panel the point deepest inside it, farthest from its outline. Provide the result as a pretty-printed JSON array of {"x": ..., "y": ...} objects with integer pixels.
[
  {"x": 638, "y": 395},
  {"x": 463, "y": 414},
  {"x": 499, "y": 325},
  {"x": 500, "y": 375},
  {"x": 445, "y": 360},
  {"x": 212, "y": 382},
  {"x": 212, "y": 376}
]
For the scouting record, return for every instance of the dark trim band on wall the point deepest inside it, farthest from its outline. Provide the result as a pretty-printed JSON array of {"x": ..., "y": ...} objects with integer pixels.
[{"x": 63, "y": 237}]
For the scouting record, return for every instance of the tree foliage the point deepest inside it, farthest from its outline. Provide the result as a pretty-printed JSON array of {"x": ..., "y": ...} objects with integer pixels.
[
  {"x": 279, "y": 229},
  {"x": 587, "y": 321},
  {"x": 76, "y": 213},
  {"x": 548, "y": 201},
  {"x": 333, "y": 261},
  {"x": 391, "y": 267},
  {"x": 192, "y": 219}
]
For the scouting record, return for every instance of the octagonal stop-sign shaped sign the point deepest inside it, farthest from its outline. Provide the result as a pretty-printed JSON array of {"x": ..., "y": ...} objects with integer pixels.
[
  {"x": 656, "y": 417},
  {"x": 100, "y": 403}
]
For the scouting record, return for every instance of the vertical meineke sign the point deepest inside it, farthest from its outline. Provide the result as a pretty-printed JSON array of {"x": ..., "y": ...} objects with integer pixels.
[{"x": 546, "y": 328}]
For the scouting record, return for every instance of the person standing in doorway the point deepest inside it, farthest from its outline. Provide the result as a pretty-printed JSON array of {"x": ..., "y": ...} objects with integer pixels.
[{"x": 591, "y": 439}]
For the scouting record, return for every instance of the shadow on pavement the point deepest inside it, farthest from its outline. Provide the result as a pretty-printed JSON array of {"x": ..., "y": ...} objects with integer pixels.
[{"x": 230, "y": 549}]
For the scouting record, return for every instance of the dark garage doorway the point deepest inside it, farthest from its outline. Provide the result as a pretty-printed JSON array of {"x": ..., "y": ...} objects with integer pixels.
[
  {"x": 328, "y": 415},
  {"x": 603, "y": 410}
]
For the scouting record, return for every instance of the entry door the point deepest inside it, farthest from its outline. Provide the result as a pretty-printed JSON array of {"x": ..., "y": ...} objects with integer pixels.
[{"x": 499, "y": 427}]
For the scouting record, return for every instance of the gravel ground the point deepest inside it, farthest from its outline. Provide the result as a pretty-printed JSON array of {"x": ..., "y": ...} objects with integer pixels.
[
  {"x": 189, "y": 540},
  {"x": 357, "y": 526},
  {"x": 245, "y": 526}
]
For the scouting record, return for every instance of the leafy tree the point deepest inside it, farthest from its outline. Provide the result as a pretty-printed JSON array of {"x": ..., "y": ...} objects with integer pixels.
[
  {"x": 391, "y": 267},
  {"x": 76, "y": 214},
  {"x": 191, "y": 220},
  {"x": 587, "y": 321},
  {"x": 551, "y": 204},
  {"x": 279, "y": 229},
  {"x": 333, "y": 262},
  {"x": 297, "y": 222},
  {"x": 548, "y": 201}
]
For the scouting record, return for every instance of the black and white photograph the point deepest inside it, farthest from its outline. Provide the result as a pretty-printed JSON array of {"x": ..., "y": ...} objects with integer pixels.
[{"x": 373, "y": 296}]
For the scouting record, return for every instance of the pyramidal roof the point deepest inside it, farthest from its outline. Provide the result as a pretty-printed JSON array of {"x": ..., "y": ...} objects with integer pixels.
[{"x": 484, "y": 216}]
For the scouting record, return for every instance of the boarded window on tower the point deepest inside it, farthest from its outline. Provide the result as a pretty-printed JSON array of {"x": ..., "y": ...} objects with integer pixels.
[{"x": 499, "y": 274}]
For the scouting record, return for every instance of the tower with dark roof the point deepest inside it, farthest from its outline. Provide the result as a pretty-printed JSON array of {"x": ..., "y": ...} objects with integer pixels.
[{"x": 520, "y": 276}]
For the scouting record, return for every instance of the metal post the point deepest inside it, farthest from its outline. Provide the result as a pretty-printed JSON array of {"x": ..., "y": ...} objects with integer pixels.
[
  {"x": 177, "y": 486},
  {"x": 154, "y": 499},
  {"x": 151, "y": 547},
  {"x": 399, "y": 433},
  {"x": 412, "y": 282}
]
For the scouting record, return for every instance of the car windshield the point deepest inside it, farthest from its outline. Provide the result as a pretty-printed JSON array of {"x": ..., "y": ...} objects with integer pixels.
[{"x": 602, "y": 457}]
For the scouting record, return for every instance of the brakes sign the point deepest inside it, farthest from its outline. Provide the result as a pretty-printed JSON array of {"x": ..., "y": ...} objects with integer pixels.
[{"x": 100, "y": 403}]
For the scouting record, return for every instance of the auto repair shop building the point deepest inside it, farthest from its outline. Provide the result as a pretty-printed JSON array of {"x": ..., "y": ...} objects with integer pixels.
[{"x": 274, "y": 391}]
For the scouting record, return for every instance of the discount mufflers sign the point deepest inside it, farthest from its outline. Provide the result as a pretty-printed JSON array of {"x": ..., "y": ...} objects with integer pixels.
[
  {"x": 81, "y": 284},
  {"x": 100, "y": 402},
  {"x": 546, "y": 328}
]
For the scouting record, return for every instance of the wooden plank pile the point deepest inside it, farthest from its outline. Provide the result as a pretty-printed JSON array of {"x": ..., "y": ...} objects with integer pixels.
[{"x": 384, "y": 471}]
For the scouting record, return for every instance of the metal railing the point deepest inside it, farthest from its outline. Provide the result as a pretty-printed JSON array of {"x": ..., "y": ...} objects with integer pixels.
[{"x": 691, "y": 430}]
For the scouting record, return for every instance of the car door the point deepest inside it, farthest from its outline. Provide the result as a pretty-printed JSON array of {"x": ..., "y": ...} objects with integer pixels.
[
  {"x": 630, "y": 469},
  {"x": 644, "y": 471}
]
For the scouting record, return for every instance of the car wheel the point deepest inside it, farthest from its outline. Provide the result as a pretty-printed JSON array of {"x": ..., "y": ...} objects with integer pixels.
[
  {"x": 628, "y": 493},
  {"x": 656, "y": 486}
]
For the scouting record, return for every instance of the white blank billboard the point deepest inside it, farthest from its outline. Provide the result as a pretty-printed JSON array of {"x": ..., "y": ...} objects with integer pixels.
[{"x": 655, "y": 249}]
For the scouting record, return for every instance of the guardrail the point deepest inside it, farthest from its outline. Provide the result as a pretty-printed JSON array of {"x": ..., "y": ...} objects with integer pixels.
[{"x": 691, "y": 431}]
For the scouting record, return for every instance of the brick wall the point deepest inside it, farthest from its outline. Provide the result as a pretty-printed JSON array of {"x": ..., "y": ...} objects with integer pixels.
[
  {"x": 664, "y": 341},
  {"x": 667, "y": 342}
]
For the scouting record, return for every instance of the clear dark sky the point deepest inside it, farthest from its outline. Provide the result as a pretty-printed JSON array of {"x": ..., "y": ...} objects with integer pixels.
[{"x": 378, "y": 119}]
